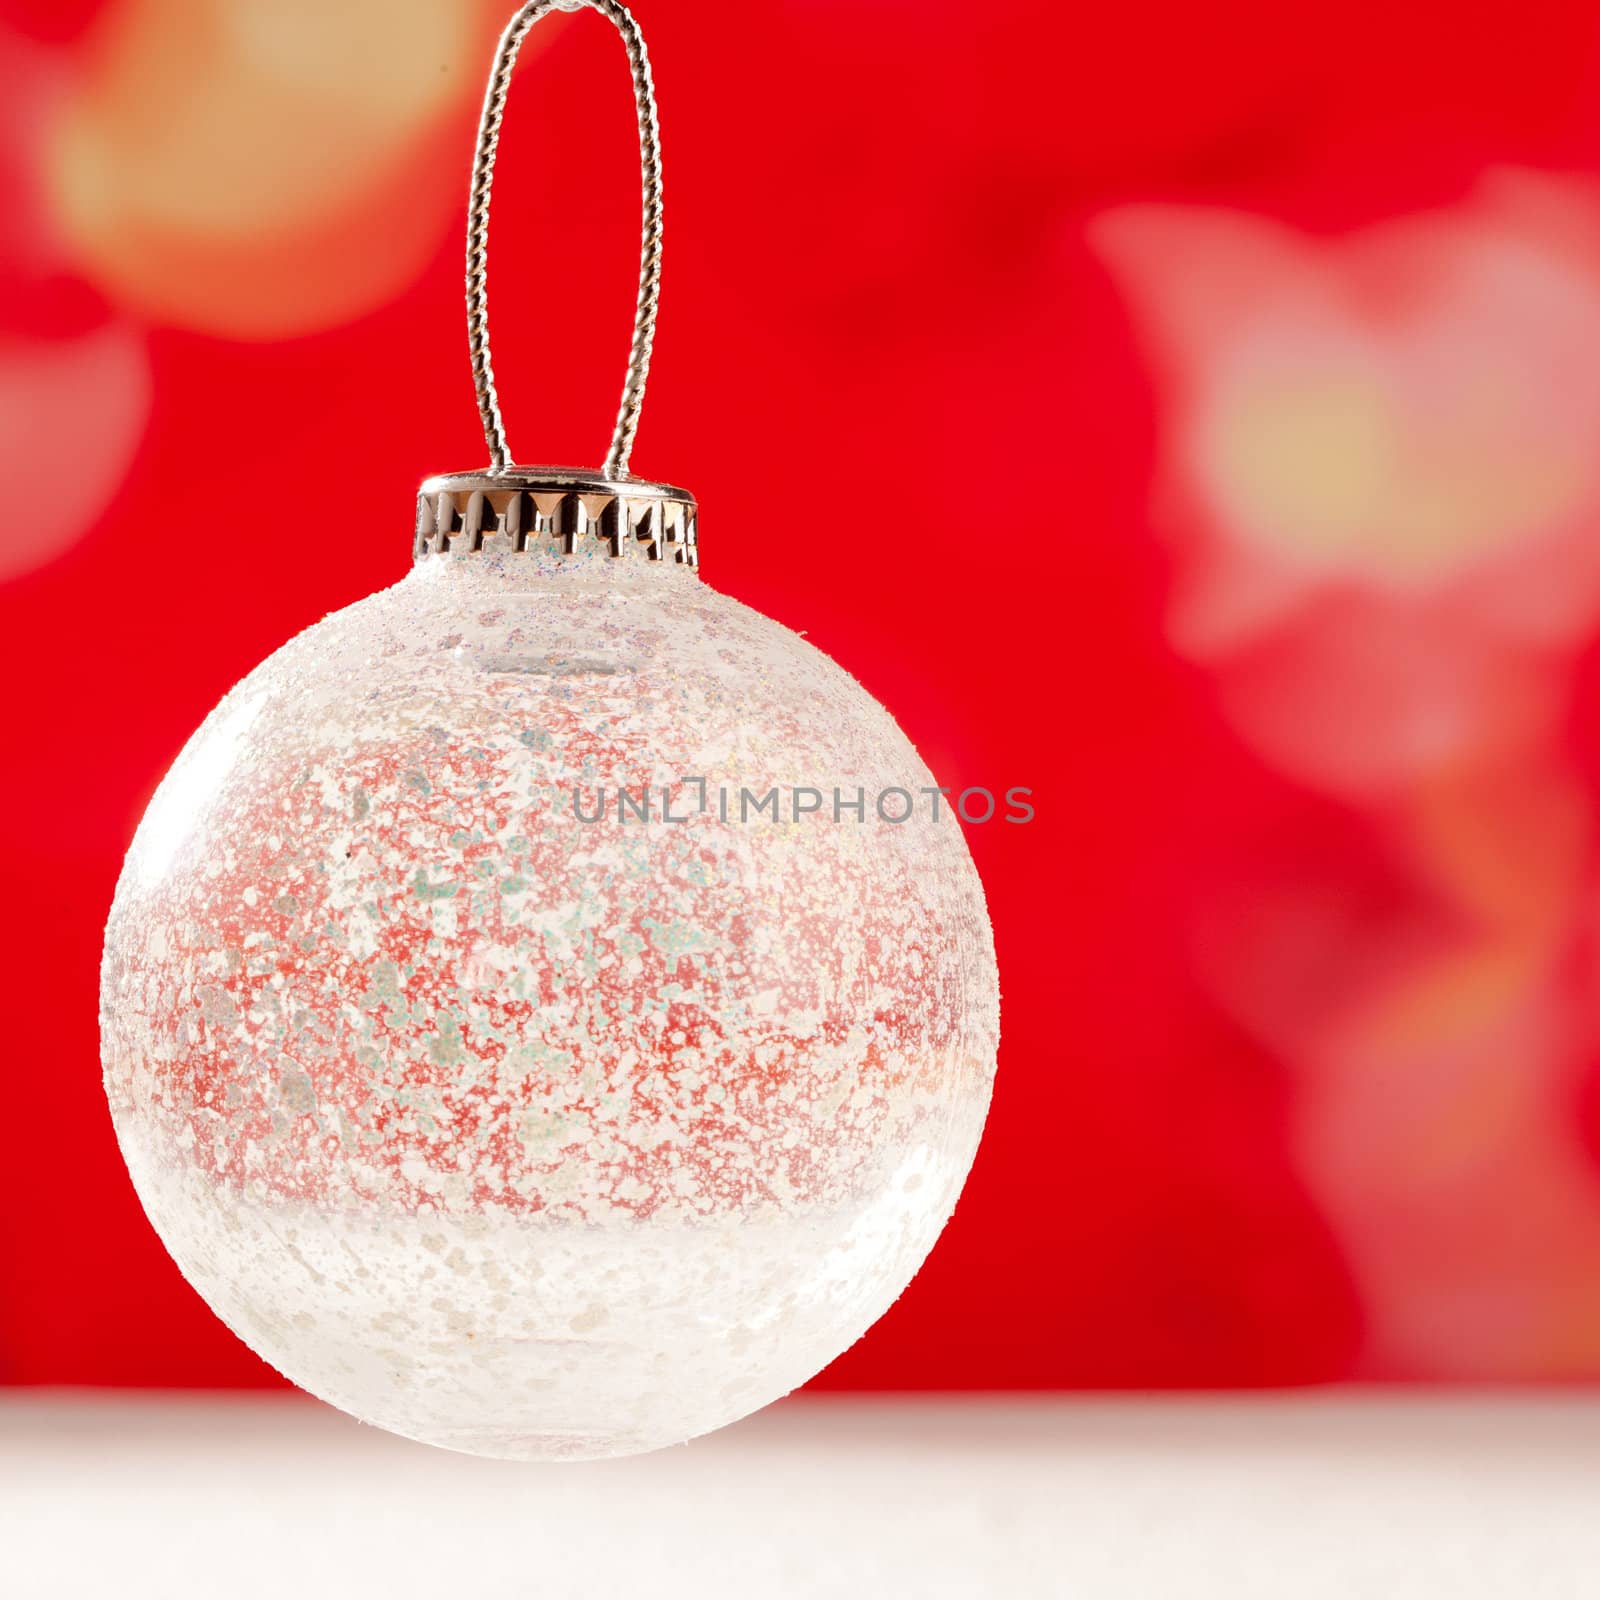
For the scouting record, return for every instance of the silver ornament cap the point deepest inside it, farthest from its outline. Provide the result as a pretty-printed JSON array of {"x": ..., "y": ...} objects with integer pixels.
[{"x": 559, "y": 509}]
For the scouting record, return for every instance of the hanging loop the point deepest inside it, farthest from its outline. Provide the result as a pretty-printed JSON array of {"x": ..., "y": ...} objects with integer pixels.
[{"x": 644, "y": 317}]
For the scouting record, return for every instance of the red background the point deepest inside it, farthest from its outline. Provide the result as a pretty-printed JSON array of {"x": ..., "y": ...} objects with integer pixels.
[{"x": 923, "y": 426}]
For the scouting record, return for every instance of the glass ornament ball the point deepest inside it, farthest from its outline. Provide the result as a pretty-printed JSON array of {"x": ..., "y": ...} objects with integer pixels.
[{"x": 518, "y": 1128}]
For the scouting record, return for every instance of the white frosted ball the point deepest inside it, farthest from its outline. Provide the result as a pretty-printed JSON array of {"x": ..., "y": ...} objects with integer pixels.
[{"x": 520, "y": 1133}]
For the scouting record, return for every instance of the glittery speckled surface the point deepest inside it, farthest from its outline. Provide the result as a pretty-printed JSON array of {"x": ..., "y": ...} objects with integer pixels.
[{"x": 519, "y": 1133}]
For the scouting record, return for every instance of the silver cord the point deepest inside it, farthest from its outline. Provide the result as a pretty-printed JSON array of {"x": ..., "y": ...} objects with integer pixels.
[{"x": 644, "y": 317}]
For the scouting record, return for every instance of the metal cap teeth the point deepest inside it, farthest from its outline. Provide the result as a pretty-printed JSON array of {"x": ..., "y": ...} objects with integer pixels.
[{"x": 555, "y": 509}]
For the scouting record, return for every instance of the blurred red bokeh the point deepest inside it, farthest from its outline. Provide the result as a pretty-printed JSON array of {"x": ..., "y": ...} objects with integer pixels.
[{"x": 1190, "y": 414}]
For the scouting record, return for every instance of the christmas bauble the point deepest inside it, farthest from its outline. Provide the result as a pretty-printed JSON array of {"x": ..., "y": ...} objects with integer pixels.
[
  {"x": 527, "y": 1022},
  {"x": 547, "y": 1009}
]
